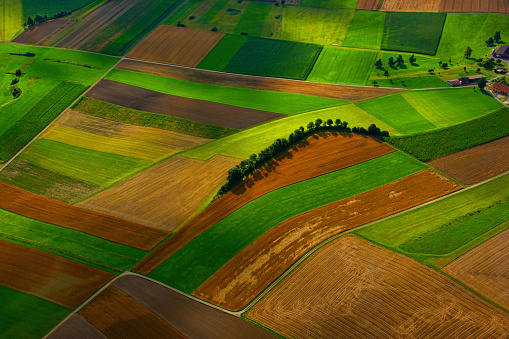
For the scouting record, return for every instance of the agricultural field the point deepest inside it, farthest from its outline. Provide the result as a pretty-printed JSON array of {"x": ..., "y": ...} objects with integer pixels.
[
  {"x": 12, "y": 19},
  {"x": 490, "y": 6},
  {"x": 51, "y": 7},
  {"x": 149, "y": 198},
  {"x": 374, "y": 284},
  {"x": 223, "y": 51},
  {"x": 73, "y": 325},
  {"x": 412, "y": 6},
  {"x": 365, "y": 30},
  {"x": 476, "y": 164},
  {"x": 330, "y": 3},
  {"x": 254, "y": 268}
]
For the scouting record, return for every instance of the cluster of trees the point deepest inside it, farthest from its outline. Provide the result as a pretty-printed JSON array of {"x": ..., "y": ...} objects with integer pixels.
[
  {"x": 255, "y": 161},
  {"x": 398, "y": 62},
  {"x": 13, "y": 88},
  {"x": 496, "y": 38},
  {"x": 40, "y": 19},
  {"x": 27, "y": 54}
]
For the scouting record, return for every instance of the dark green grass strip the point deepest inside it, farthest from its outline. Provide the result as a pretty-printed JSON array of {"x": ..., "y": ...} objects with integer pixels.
[
  {"x": 221, "y": 54},
  {"x": 434, "y": 144}
]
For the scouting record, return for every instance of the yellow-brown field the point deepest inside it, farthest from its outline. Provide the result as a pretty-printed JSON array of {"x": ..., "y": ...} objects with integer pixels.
[{"x": 411, "y": 5}]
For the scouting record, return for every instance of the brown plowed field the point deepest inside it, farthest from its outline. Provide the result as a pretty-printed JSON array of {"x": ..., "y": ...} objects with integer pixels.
[
  {"x": 176, "y": 45},
  {"x": 318, "y": 155},
  {"x": 166, "y": 195},
  {"x": 259, "y": 83},
  {"x": 254, "y": 269},
  {"x": 352, "y": 288},
  {"x": 104, "y": 226},
  {"x": 117, "y": 315},
  {"x": 476, "y": 164},
  {"x": 411, "y": 5},
  {"x": 48, "y": 276},
  {"x": 368, "y": 4},
  {"x": 485, "y": 269},
  {"x": 191, "y": 318},
  {"x": 37, "y": 34},
  {"x": 78, "y": 328},
  {"x": 207, "y": 112},
  {"x": 488, "y": 6}
]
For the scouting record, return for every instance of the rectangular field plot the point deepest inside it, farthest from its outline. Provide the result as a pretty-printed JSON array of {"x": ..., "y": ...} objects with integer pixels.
[
  {"x": 469, "y": 6},
  {"x": 221, "y": 54},
  {"x": 324, "y": 26},
  {"x": 413, "y": 32},
  {"x": 255, "y": 267},
  {"x": 176, "y": 45},
  {"x": 352, "y": 286},
  {"x": 330, "y": 3},
  {"x": 334, "y": 66},
  {"x": 12, "y": 19},
  {"x": 255, "y": 19},
  {"x": 274, "y": 58},
  {"x": 73, "y": 325},
  {"x": 365, "y": 30},
  {"x": 412, "y": 5},
  {"x": 368, "y": 4}
]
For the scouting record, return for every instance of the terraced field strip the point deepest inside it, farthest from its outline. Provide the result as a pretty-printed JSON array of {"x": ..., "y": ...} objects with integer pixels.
[
  {"x": 411, "y": 5},
  {"x": 469, "y": 6},
  {"x": 485, "y": 268},
  {"x": 253, "y": 269},
  {"x": 176, "y": 45},
  {"x": 100, "y": 225},
  {"x": 318, "y": 155},
  {"x": 166, "y": 195},
  {"x": 368, "y": 4},
  {"x": 257, "y": 83},
  {"x": 51, "y": 277},
  {"x": 352, "y": 286},
  {"x": 74, "y": 325},
  {"x": 117, "y": 315},
  {"x": 203, "y": 111},
  {"x": 476, "y": 164}
]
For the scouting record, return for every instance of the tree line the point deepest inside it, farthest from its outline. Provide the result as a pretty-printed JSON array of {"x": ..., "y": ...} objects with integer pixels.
[
  {"x": 38, "y": 19},
  {"x": 256, "y": 161}
]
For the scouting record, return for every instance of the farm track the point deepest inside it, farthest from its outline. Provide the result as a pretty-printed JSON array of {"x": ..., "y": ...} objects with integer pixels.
[{"x": 318, "y": 155}]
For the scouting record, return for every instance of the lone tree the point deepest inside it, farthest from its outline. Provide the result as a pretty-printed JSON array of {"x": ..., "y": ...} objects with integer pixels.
[
  {"x": 30, "y": 21},
  {"x": 489, "y": 42},
  {"x": 378, "y": 63},
  {"x": 497, "y": 36},
  {"x": 412, "y": 59},
  {"x": 391, "y": 61},
  {"x": 400, "y": 60},
  {"x": 386, "y": 73},
  {"x": 482, "y": 83},
  {"x": 468, "y": 52}
]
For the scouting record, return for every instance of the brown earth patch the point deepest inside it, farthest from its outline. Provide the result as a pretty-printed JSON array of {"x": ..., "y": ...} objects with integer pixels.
[
  {"x": 318, "y": 155},
  {"x": 189, "y": 317},
  {"x": 254, "y": 269},
  {"x": 117, "y": 315},
  {"x": 104, "y": 226},
  {"x": 352, "y": 288},
  {"x": 411, "y": 5},
  {"x": 260, "y": 83},
  {"x": 76, "y": 327},
  {"x": 36, "y": 35},
  {"x": 368, "y": 4},
  {"x": 207, "y": 112},
  {"x": 176, "y": 45},
  {"x": 166, "y": 195},
  {"x": 484, "y": 268},
  {"x": 63, "y": 281},
  {"x": 476, "y": 164},
  {"x": 469, "y": 6}
]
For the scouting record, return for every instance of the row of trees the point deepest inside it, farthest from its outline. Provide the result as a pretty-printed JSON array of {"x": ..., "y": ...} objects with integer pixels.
[
  {"x": 255, "y": 161},
  {"x": 40, "y": 19},
  {"x": 398, "y": 62}
]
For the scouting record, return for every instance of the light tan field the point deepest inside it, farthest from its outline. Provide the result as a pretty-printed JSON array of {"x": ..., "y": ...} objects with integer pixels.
[
  {"x": 166, "y": 195},
  {"x": 487, "y": 6},
  {"x": 411, "y": 5},
  {"x": 352, "y": 288},
  {"x": 485, "y": 269},
  {"x": 176, "y": 45},
  {"x": 368, "y": 4}
]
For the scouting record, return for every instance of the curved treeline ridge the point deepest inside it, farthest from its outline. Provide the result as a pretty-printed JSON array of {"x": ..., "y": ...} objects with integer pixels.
[{"x": 281, "y": 145}]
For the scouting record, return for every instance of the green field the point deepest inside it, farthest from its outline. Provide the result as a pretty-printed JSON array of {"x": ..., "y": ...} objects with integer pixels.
[
  {"x": 68, "y": 243},
  {"x": 274, "y": 58},
  {"x": 418, "y": 82},
  {"x": 434, "y": 144},
  {"x": 343, "y": 66},
  {"x": 204, "y": 255},
  {"x": 12, "y": 19},
  {"x": 51, "y": 7},
  {"x": 472, "y": 29},
  {"x": 219, "y": 57},
  {"x": 254, "y": 18},
  {"x": 216, "y": 8},
  {"x": 366, "y": 30},
  {"x": 330, "y": 3},
  {"x": 25, "y": 314},
  {"x": 96, "y": 167},
  {"x": 443, "y": 230},
  {"x": 253, "y": 140},
  {"x": 413, "y": 32},
  {"x": 278, "y": 102},
  {"x": 322, "y": 26}
]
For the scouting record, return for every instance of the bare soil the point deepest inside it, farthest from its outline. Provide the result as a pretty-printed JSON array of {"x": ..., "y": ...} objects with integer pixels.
[
  {"x": 76, "y": 327},
  {"x": 411, "y": 5},
  {"x": 318, "y": 155},
  {"x": 260, "y": 83},
  {"x": 104, "y": 226},
  {"x": 476, "y": 164},
  {"x": 37, "y": 34},
  {"x": 485, "y": 6},
  {"x": 352, "y": 288},
  {"x": 197, "y": 110},
  {"x": 368, "y": 4}
]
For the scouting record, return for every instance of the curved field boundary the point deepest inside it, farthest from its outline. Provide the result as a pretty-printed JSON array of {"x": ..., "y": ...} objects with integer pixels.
[
  {"x": 256, "y": 82},
  {"x": 469, "y": 6},
  {"x": 176, "y": 45},
  {"x": 352, "y": 286},
  {"x": 97, "y": 224},
  {"x": 318, "y": 155},
  {"x": 203, "y": 111},
  {"x": 62, "y": 281},
  {"x": 253, "y": 269}
]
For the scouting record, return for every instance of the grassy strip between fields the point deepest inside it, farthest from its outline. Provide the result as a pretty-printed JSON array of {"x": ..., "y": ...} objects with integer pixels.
[
  {"x": 139, "y": 118},
  {"x": 434, "y": 144},
  {"x": 203, "y": 256}
]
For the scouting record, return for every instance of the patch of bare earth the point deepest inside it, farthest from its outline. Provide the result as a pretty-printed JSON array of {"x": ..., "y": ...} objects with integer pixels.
[
  {"x": 469, "y": 6},
  {"x": 75, "y": 325},
  {"x": 411, "y": 5}
]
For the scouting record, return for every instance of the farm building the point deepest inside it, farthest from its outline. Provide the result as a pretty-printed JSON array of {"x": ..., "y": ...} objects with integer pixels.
[
  {"x": 502, "y": 52},
  {"x": 500, "y": 88},
  {"x": 468, "y": 80},
  {"x": 501, "y": 70}
]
